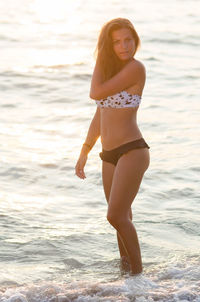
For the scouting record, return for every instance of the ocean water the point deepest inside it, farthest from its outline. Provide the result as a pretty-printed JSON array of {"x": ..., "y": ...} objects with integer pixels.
[{"x": 56, "y": 244}]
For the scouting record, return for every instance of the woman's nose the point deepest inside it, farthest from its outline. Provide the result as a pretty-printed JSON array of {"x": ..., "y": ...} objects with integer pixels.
[{"x": 124, "y": 44}]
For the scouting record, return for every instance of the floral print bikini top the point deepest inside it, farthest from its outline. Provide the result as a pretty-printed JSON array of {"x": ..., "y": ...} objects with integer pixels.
[{"x": 121, "y": 99}]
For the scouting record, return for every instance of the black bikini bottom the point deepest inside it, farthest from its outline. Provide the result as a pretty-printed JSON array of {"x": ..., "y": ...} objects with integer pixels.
[{"x": 112, "y": 156}]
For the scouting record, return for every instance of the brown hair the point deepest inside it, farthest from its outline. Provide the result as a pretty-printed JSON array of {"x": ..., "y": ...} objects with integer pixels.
[{"x": 110, "y": 64}]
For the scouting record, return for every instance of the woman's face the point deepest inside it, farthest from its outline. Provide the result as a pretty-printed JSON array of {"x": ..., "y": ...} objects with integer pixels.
[{"x": 123, "y": 44}]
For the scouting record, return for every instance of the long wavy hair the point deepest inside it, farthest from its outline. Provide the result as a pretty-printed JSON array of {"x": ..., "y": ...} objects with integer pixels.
[{"x": 110, "y": 64}]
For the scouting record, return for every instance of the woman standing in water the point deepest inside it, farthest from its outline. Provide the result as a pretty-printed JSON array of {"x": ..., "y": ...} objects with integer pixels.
[{"x": 117, "y": 84}]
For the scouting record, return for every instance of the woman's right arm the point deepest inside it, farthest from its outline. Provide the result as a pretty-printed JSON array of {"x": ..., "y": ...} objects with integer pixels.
[
  {"x": 91, "y": 138},
  {"x": 131, "y": 74}
]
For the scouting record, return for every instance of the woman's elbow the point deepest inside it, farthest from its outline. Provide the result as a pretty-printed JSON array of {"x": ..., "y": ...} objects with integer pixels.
[{"x": 94, "y": 95}]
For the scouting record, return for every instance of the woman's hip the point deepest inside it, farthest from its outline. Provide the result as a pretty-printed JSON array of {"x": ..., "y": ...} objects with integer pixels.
[{"x": 115, "y": 154}]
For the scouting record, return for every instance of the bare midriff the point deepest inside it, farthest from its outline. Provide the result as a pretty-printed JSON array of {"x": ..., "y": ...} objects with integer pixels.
[{"x": 118, "y": 126}]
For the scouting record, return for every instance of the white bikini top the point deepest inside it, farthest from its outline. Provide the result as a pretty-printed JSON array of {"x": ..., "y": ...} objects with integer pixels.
[{"x": 121, "y": 99}]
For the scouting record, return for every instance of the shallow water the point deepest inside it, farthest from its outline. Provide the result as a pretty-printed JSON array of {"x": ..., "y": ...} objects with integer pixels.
[{"x": 55, "y": 241}]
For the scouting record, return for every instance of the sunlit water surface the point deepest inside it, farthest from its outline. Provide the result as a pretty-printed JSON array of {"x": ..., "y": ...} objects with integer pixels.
[{"x": 56, "y": 244}]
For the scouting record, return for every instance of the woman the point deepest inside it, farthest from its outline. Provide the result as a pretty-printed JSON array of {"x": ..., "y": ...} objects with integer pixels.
[{"x": 117, "y": 84}]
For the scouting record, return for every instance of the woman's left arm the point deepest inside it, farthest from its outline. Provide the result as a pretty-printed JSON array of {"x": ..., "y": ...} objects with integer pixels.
[{"x": 130, "y": 74}]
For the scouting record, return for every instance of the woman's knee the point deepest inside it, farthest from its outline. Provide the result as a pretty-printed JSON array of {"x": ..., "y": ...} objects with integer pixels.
[
  {"x": 117, "y": 220},
  {"x": 130, "y": 214}
]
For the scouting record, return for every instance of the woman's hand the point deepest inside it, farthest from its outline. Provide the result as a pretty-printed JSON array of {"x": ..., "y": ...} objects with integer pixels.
[{"x": 79, "y": 168}]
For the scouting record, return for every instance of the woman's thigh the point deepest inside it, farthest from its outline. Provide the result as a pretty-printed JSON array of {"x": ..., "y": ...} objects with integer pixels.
[
  {"x": 126, "y": 180},
  {"x": 108, "y": 170},
  {"x": 107, "y": 177}
]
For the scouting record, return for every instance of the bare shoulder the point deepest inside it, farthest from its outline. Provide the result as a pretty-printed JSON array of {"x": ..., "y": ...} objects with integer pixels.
[{"x": 137, "y": 66}]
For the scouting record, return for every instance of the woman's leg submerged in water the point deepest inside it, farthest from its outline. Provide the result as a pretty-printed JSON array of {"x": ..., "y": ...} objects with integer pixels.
[
  {"x": 125, "y": 262},
  {"x": 126, "y": 181},
  {"x": 107, "y": 176}
]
